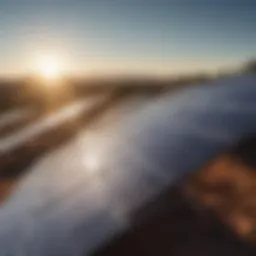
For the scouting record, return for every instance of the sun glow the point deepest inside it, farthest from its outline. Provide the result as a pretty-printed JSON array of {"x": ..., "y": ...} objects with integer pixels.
[{"x": 49, "y": 67}]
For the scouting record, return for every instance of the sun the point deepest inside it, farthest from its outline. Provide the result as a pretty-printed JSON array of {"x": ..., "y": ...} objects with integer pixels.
[{"x": 49, "y": 67}]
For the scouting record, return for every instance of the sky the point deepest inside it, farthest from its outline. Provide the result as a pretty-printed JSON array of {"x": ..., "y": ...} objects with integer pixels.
[{"x": 127, "y": 36}]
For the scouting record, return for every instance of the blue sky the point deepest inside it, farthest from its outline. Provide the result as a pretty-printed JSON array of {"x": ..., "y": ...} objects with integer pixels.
[{"x": 161, "y": 36}]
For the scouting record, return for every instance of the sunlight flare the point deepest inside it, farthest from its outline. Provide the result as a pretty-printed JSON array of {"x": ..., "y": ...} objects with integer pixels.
[{"x": 49, "y": 67}]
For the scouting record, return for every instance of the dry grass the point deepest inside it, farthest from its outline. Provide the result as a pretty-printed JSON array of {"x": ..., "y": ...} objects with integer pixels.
[
  {"x": 6, "y": 186},
  {"x": 228, "y": 187}
]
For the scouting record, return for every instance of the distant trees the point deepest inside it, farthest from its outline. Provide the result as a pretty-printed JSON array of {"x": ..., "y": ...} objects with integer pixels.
[{"x": 250, "y": 67}]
